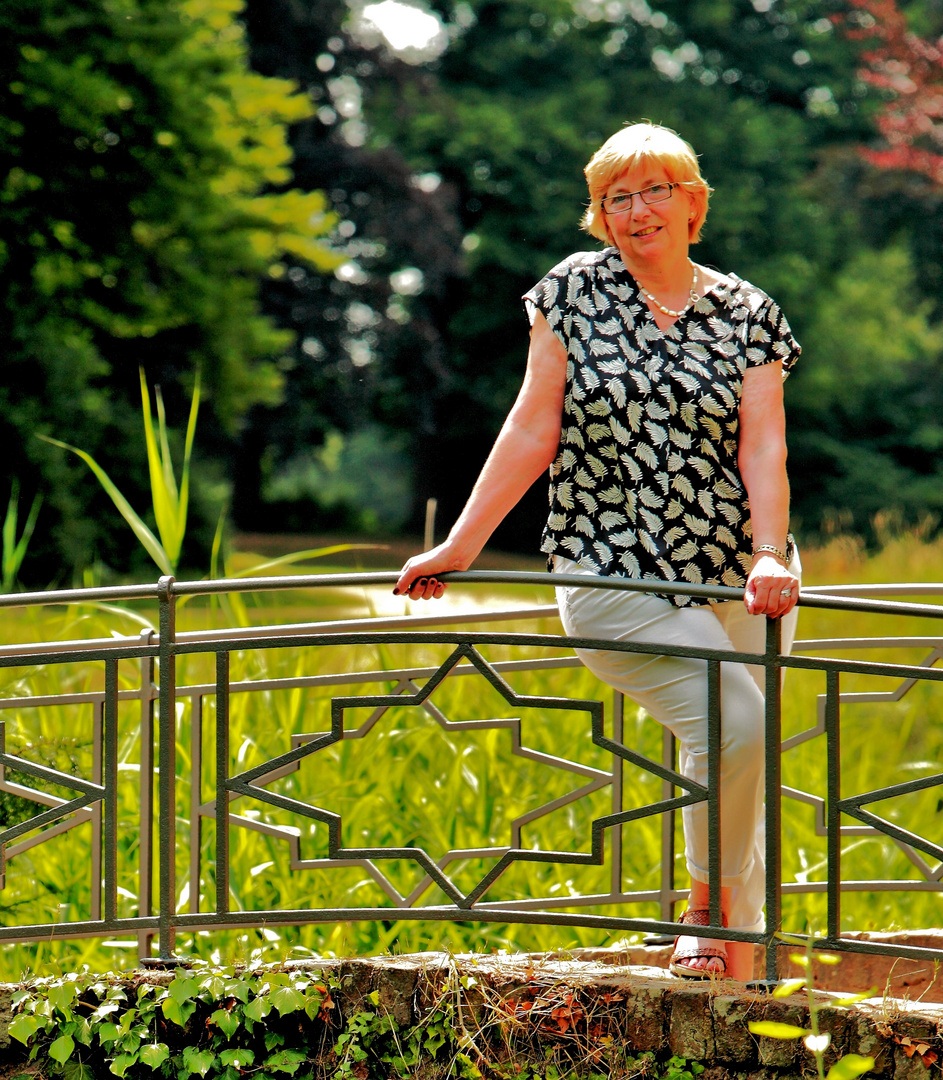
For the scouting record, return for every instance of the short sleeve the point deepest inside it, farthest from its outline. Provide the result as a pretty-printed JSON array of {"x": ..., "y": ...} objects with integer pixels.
[
  {"x": 771, "y": 339},
  {"x": 548, "y": 297}
]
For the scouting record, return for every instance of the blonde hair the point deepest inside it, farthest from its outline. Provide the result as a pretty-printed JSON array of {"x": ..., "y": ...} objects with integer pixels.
[{"x": 639, "y": 145}]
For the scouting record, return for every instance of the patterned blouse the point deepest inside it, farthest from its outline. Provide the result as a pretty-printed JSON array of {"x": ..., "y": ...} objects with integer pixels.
[{"x": 646, "y": 483}]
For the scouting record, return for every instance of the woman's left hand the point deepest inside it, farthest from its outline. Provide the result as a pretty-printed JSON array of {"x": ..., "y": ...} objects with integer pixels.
[{"x": 771, "y": 588}]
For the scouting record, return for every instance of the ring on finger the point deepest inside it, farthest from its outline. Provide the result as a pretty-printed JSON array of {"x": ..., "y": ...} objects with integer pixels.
[{"x": 786, "y": 592}]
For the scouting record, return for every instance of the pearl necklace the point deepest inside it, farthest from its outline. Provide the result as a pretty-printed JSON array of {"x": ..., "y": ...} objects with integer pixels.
[{"x": 692, "y": 293}]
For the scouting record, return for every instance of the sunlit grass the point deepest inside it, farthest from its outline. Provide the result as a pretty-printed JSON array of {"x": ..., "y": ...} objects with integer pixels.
[{"x": 410, "y": 781}]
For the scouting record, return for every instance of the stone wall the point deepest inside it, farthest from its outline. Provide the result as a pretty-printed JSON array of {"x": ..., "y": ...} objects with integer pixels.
[{"x": 582, "y": 1009}]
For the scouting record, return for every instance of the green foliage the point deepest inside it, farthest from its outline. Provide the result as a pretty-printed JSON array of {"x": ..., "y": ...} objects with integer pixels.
[
  {"x": 360, "y": 482},
  {"x": 866, "y": 425},
  {"x": 845, "y": 1066},
  {"x": 219, "y": 1023},
  {"x": 144, "y": 199},
  {"x": 168, "y": 503},
  {"x": 14, "y": 548},
  {"x": 411, "y": 782},
  {"x": 205, "y": 1022}
]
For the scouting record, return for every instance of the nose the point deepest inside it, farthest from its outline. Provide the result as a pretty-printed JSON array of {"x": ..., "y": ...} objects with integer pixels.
[{"x": 639, "y": 208}]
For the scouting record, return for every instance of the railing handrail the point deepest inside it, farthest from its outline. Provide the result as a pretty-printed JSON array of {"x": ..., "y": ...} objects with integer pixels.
[{"x": 837, "y": 596}]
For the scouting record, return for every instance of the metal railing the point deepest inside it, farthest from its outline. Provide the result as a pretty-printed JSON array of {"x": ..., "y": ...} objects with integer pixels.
[{"x": 95, "y": 800}]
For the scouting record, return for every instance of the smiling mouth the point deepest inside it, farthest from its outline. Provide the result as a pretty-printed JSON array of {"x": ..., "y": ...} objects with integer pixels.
[{"x": 648, "y": 231}]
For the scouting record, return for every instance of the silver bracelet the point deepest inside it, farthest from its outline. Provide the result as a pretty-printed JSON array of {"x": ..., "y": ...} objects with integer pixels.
[{"x": 781, "y": 555}]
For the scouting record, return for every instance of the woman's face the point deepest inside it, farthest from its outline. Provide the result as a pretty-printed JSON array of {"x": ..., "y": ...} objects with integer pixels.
[{"x": 649, "y": 234}]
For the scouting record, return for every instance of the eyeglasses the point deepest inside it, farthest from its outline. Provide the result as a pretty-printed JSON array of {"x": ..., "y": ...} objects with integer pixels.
[{"x": 618, "y": 204}]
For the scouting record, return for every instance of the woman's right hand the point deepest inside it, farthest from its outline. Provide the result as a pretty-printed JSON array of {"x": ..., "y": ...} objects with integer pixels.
[{"x": 417, "y": 579}]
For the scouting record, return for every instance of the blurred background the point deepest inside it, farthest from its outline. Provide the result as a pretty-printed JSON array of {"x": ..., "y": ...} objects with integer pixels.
[{"x": 327, "y": 211}]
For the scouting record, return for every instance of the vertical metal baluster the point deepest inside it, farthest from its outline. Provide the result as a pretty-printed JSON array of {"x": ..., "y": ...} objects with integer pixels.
[
  {"x": 167, "y": 781},
  {"x": 715, "y": 853},
  {"x": 110, "y": 779},
  {"x": 222, "y": 775},
  {"x": 774, "y": 870},
  {"x": 3, "y": 775},
  {"x": 833, "y": 820},
  {"x": 95, "y": 900},
  {"x": 618, "y": 720},
  {"x": 667, "y": 902},
  {"x": 146, "y": 765},
  {"x": 196, "y": 799}
]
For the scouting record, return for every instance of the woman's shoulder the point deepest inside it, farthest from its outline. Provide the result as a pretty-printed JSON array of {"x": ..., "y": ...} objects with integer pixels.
[
  {"x": 735, "y": 291},
  {"x": 606, "y": 263}
]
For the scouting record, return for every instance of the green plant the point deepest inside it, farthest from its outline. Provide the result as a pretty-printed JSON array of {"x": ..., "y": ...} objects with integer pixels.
[
  {"x": 411, "y": 779},
  {"x": 215, "y": 1022},
  {"x": 14, "y": 551},
  {"x": 169, "y": 502},
  {"x": 848, "y": 1066},
  {"x": 264, "y": 1021}
]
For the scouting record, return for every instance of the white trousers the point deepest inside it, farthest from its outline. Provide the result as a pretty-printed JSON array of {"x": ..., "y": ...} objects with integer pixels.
[{"x": 673, "y": 690}]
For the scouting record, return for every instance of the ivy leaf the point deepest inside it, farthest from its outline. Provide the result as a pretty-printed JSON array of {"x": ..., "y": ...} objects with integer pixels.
[
  {"x": 122, "y": 1063},
  {"x": 183, "y": 988},
  {"x": 227, "y": 1022},
  {"x": 214, "y": 985},
  {"x": 774, "y": 1030},
  {"x": 850, "y": 1066},
  {"x": 74, "y": 1070},
  {"x": 237, "y": 1058},
  {"x": 154, "y": 1054},
  {"x": 287, "y": 1000},
  {"x": 258, "y": 1009},
  {"x": 177, "y": 1012},
  {"x": 197, "y": 1061},
  {"x": 106, "y": 1009},
  {"x": 19, "y": 997},
  {"x": 238, "y": 988},
  {"x": 61, "y": 1049},
  {"x": 273, "y": 1039},
  {"x": 107, "y": 1033},
  {"x": 23, "y": 1027},
  {"x": 61, "y": 996},
  {"x": 288, "y": 1061}
]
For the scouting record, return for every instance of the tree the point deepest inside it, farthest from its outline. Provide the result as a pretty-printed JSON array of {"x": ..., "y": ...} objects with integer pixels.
[
  {"x": 144, "y": 197},
  {"x": 908, "y": 69},
  {"x": 370, "y": 363}
]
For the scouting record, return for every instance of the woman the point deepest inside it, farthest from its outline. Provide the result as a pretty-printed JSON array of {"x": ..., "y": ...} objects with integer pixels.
[{"x": 653, "y": 394}]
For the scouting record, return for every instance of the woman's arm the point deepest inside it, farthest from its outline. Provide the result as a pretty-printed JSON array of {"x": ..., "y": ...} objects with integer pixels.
[
  {"x": 762, "y": 461},
  {"x": 525, "y": 447}
]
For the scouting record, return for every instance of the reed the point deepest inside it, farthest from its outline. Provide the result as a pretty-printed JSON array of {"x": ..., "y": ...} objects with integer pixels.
[{"x": 412, "y": 782}]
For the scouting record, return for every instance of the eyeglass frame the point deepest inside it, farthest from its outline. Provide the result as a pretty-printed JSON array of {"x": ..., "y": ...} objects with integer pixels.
[{"x": 630, "y": 195}]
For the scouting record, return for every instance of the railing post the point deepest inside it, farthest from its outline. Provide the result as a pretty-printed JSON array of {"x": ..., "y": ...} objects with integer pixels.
[
  {"x": 222, "y": 775},
  {"x": 833, "y": 821},
  {"x": 667, "y": 902},
  {"x": 618, "y": 732},
  {"x": 714, "y": 794},
  {"x": 109, "y": 780},
  {"x": 146, "y": 844},
  {"x": 196, "y": 800},
  {"x": 774, "y": 690},
  {"x": 167, "y": 735}
]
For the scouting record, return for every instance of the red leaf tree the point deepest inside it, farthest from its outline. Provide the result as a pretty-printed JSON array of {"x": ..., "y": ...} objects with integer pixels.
[{"x": 909, "y": 69}]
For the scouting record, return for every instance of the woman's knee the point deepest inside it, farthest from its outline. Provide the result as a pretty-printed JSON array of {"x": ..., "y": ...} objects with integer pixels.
[{"x": 742, "y": 715}]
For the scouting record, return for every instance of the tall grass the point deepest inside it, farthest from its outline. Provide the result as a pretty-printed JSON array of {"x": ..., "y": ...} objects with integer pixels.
[{"x": 412, "y": 781}]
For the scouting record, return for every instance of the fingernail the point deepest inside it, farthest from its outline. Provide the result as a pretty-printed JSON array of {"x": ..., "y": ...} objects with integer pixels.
[
  {"x": 396, "y": 592},
  {"x": 422, "y": 581}
]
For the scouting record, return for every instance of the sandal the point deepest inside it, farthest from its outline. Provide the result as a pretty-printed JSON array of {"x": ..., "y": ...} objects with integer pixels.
[{"x": 698, "y": 947}]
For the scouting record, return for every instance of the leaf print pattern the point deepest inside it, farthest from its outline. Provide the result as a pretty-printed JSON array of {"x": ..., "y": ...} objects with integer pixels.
[{"x": 645, "y": 483}]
